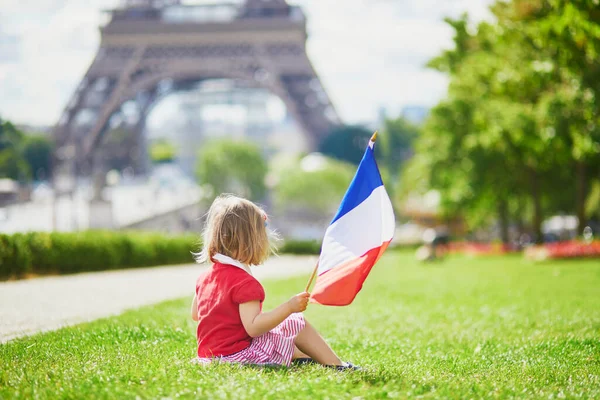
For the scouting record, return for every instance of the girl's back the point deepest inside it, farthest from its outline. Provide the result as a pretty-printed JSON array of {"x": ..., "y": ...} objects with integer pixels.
[{"x": 220, "y": 291}]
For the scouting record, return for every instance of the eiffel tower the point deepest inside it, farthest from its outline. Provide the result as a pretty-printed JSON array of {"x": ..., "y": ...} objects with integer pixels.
[{"x": 151, "y": 48}]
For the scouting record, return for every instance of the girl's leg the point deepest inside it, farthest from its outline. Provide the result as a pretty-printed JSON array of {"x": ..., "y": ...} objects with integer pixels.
[
  {"x": 311, "y": 343},
  {"x": 298, "y": 354}
]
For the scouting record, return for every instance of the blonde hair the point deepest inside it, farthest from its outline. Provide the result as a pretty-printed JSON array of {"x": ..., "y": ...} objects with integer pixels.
[{"x": 236, "y": 228}]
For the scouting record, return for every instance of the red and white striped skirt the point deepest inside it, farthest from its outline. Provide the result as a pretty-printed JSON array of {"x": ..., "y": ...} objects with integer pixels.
[{"x": 274, "y": 347}]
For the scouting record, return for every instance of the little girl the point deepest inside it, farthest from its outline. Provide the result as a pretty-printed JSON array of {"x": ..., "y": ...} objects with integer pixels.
[{"x": 232, "y": 326}]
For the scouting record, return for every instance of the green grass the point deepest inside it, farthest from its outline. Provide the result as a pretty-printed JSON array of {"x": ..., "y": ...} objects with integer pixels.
[{"x": 465, "y": 328}]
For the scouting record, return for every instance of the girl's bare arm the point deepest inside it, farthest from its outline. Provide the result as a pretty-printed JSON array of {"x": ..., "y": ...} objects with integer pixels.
[
  {"x": 258, "y": 323},
  {"x": 195, "y": 308}
]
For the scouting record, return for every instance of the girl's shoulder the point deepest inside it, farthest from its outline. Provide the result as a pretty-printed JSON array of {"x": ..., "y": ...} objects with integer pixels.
[
  {"x": 229, "y": 279},
  {"x": 225, "y": 273}
]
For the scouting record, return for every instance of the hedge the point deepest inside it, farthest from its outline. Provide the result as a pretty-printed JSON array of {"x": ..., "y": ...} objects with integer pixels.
[
  {"x": 40, "y": 253},
  {"x": 63, "y": 253},
  {"x": 301, "y": 247}
]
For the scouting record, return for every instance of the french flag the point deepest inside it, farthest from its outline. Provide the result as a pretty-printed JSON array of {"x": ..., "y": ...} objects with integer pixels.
[{"x": 357, "y": 237}]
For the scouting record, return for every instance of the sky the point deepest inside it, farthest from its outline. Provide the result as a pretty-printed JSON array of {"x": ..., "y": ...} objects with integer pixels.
[{"x": 369, "y": 54}]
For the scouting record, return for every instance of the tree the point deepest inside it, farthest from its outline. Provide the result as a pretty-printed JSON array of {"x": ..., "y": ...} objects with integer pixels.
[
  {"x": 394, "y": 147},
  {"x": 228, "y": 166},
  {"x": 566, "y": 37},
  {"x": 13, "y": 166},
  {"x": 346, "y": 143},
  {"x": 10, "y": 136},
  {"x": 37, "y": 152},
  {"x": 480, "y": 145},
  {"x": 396, "y": 144},
  {"x": 519, "y": 131},
  {"x": 319, "y": 187},
  {"x": 162, "y": 151},
  {"x": 12, "y": 163},
  {"x": 450, "y": 154}
]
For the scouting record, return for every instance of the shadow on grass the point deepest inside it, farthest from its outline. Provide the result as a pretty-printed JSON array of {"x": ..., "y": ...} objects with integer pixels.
[{"x": 369, "y": 375}]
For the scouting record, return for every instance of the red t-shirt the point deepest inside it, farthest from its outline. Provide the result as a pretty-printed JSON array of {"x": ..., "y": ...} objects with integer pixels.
[{"x": 219, "y": 292}]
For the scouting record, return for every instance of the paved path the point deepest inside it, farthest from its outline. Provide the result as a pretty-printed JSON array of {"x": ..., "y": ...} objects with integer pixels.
[{"x": 42, "y": 304}]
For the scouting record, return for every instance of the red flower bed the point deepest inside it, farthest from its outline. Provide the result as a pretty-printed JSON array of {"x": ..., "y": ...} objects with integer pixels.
[
  {"x": 559, "y": 250},
  {"x": 478, "y": 249}
]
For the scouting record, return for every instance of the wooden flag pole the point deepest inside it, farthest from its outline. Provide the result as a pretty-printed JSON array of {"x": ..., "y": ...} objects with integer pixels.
[{"x": 312, "y": 276}]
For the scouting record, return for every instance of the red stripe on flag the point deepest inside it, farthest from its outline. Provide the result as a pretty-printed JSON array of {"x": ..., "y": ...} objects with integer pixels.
[{"x": 340, "y": 285}]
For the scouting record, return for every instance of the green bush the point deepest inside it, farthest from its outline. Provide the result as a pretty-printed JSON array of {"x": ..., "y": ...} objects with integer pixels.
[
  {"x": 40, "y": 245},
  {"x": 301, "y": 247},
  {"x": 67, "y": 253},
  {"x": 15, "y": 256}
]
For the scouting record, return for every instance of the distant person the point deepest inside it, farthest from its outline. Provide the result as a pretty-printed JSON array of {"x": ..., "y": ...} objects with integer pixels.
[
  {"x": 232, "y": 326},
  {"x": 440, "y": 242},
  {"x": 435, "y": 245}
]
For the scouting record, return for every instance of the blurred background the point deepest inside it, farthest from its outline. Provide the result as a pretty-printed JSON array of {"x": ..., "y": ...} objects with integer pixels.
[{"x": 133, "y": 114}]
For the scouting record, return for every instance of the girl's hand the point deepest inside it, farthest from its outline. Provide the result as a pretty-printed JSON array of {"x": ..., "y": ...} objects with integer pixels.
[
  {"x": 299, "y": 302},
  {"x": 258, "y": 323}
]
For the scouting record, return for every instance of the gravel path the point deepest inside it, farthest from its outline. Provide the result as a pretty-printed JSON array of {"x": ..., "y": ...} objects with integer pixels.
[{"x": 42, "y": 304}]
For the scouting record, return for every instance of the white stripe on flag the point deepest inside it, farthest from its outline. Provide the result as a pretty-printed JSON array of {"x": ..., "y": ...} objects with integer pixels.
[{"x": 361, "y": 229}]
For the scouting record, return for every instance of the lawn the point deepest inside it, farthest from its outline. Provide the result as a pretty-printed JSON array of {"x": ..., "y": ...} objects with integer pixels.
[{"x": 464, "y": 328}]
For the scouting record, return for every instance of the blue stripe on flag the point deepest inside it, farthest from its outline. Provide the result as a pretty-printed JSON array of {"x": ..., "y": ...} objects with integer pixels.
[{"x": 366, "y": 180}]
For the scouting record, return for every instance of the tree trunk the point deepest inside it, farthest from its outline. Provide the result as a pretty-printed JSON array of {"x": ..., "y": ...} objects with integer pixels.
[
  {"x": 503, "y": 220},
  {"x": 519, "y": 216},
  {"x": 537, "y": 207},
  {"x": 580, "y": 191}
]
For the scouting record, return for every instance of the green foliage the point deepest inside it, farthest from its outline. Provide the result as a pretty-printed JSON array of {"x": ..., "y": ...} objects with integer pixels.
[
  {"x": 592, "y": 206},
  {"x": 10, "y": 136},
  {"x": 23, "y": 157},
  {"x": 65, "y": 253},
  {"x": 162, "y": 151},
  {"x": 44, "y": 253},
  {"x": 484, "y": 328},
  {"x": 393, "y": 148},
  {"x": 518, "y": 135},
  {"x": 37, "y": 152},
  {"x": 12, "y": 163},
  {"x": 15, "y": 256},
  {"x": 318, "y": 188},
  {"x": 450, "y": 60},
  {"x": 228, "y": 166},
  {"x": 301, "y": 247},
  {"x": 346, "y": 143},
  {"x": 395, "y": 143}
]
